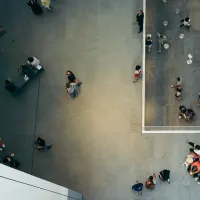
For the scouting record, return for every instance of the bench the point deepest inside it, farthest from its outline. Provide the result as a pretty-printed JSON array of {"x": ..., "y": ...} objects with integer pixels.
[{"x": 22, "y": 81}]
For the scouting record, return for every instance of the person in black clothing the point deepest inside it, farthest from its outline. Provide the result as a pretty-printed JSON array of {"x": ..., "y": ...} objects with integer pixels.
[
  {"x": 9, "y": 85},
  {"x": 182, "y": 111},
  {"x": 9, "y": 160},
  {"x": 164, "y": 175},
  {"x": 190, "y": 114},
  {"x": 140, "y": 19},
  {"x": 26, "y": 70},
  {"x": 41, "y": 144},
  {"x": 72, "y": 79},
  {"x": 148, "y": 43},
  {"x": 37, "y": 10}
]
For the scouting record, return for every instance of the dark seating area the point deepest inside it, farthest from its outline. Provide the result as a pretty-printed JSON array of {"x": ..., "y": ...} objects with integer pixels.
[{"x": 27, "y": 74}]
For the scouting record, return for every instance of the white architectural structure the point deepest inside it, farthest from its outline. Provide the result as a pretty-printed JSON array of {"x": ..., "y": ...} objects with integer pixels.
[{"x": 18, "y": 185}]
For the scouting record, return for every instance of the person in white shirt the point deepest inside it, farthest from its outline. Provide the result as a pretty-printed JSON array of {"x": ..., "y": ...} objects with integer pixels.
[
  {"x": 71, "y": 89},
  {"x": 195, "y": 149},
  {"x": 186, "y": 23},
  {"x": 33, "y": 61}
]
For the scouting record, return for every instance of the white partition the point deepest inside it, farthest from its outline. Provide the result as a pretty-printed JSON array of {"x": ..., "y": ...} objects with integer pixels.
[{"x": 18, "y": 185}]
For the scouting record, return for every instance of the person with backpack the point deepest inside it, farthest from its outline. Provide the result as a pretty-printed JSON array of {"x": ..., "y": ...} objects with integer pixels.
[{"x": 41, "y": 144}]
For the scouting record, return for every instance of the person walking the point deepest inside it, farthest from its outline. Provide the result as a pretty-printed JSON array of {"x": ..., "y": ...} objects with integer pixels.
[
  {"x": 140, "y": 20},
  {"x": 41, "y": 144},
  {"x": 178, "y": 84},
  {"x": 37, "y": 10},
  {"x": 151, "y": 182},
  {"x": 148, "y": 43},
  {"x": 186, "y": 23},
  {"x": 72, "y": 78},
  {"x": 46, "y": 4},
  {"x": 161, "y": 41}
]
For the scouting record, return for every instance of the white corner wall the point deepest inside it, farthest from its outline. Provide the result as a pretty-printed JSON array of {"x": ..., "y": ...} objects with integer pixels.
[{"x": 18, "y": 185}]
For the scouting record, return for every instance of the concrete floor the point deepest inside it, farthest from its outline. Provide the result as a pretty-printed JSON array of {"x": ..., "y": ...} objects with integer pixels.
[
  {"x": 98, "y": 148},
  {"x": 163, "y": 69}
]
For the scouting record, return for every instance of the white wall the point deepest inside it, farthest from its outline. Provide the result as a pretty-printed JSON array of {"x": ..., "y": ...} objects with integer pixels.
[{"x": 18, "y": 185}]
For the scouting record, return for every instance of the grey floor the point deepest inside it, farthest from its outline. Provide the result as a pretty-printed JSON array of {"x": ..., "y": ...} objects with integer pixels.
[
  {"x": 163, "y": 69},
  {"x": 98, "y": 148}
]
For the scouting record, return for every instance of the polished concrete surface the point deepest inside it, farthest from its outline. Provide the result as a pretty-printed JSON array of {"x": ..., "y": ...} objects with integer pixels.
[
  {"x": 163, "y": 68},
  {"x": 98, "y": 148}
]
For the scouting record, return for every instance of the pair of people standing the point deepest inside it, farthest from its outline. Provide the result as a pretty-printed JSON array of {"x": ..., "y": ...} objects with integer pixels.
[{"x": 37, "y": 10}]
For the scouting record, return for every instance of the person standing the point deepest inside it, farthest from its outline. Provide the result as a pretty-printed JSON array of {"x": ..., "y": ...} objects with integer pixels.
[
  {"x": 37, "y": 10},
  {"x": 140, "y": 20},
  {"x": 46, "y": 4}
]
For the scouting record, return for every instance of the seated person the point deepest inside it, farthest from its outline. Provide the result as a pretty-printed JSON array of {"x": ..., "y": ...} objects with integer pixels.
[
  {"x": 164, "y": 175},
  {"x": 189, "y": 160},
  {"x": 26, "y": 70},
  {"x": 137, "y": 187},
  {"x": 33, "y": 61},
  {"x": 195, "y": 147},
  {"x": 190, "y": 114},
  {"x": 182, "y": 111},
  {"x": 9, "y": 159},
  {"x": 148, "y": 43},
  {"x": 151, "y": 182},
  {"x": 41, "y": 144},
  {"x": 9, "y": 85},
  {"x": 195, "y": 169},
  {"x": 71, "y": 89}
]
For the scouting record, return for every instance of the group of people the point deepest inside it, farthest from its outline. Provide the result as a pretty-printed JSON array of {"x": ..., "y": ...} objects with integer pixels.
[
  {"x": 150, "y": 183},
  {"x": 25, "y": 69},
  {"x": 178, "y": 87},
  {"x": 36, "y": 8},
  {"x": 187, "y": 114},
  {"x": 10, "y": 159},
  {"x": 192, "y": 162},
  {"x": 162, "y": 39}
]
